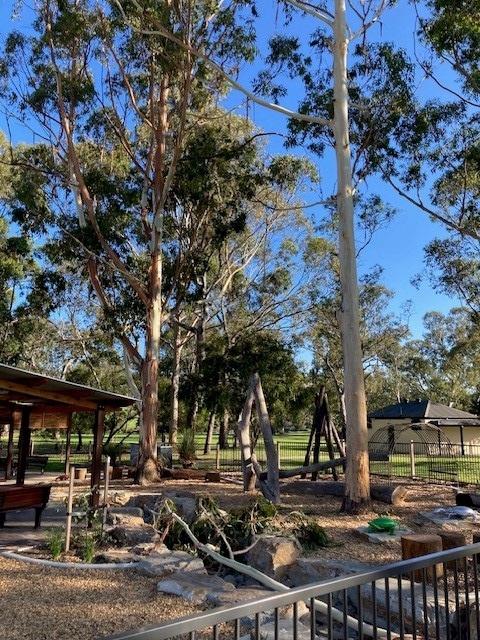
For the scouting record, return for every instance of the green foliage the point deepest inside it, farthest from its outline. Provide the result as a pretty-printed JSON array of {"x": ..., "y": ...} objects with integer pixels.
[
  {"x": 309, "y": 533},
  {"x": 186, "y": 447},
  {"x": 88, "y": 547},
  {"x": 55, "y": 541}
]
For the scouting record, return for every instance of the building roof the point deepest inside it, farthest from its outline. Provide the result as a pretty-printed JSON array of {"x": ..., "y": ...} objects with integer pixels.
[
  {"x": 421, "y": 409},
  {"x": 48, "y": 395}
]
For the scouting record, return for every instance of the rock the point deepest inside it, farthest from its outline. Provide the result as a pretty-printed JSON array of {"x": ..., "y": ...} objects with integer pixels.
[
  {"x": 285, "y": 631},
  {"x": 115, "y": 556},
  {"x": 195, "y": 588},
  {"x": 150, "y": 548},
  {"x": 128, "y": 516},
  {"x": 120, "y": 498},
  {"x": 169, "y": 562},
  {"x": 381, "y": 537},
  {"x": 185, "y": 502},
  {"x": 242, "y": 594},
  {"x": 274, "y": 555},
  {"x": 130, "y": 536},
  {"x": 144, "y": 501},
  {"x": 309, "y": 570}
]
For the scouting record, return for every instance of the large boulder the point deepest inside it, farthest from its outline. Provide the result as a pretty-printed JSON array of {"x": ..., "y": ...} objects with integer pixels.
[
  {"x": 194, "y": 587},
  {"x": 185, "y": 503},
  {"x": 129, "y": 535},
  {"x": 316, "y": 569},
  {"x": 274, "y": 555}
]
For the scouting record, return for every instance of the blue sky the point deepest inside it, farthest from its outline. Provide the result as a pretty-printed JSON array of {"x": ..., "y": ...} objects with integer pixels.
[{"x": 398, "y": 248}]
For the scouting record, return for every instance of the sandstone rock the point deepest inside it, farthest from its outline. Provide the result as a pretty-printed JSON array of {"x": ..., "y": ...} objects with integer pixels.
[
  {"x": 185, "y": 502},
  {"x": 130, "y": 536},
  {"x": 132, "y": 517},
  {"x": 242, "y": 594},
  {"x": 115, "y": 556},
  {"x": 150, "y": 548},
  {"x": 310, "y": 570},
  {"x": 195, "y": 588},
  {"x": 144, "y": 501},
  {"x": 273, "y": 555},
  {"x": 165, "y": 563}
]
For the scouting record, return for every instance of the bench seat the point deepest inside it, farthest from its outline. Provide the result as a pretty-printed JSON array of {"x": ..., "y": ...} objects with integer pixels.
[{"x": 13, "y": 498}]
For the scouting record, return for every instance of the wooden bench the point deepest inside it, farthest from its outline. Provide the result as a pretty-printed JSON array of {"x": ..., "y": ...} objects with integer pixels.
[{"x": 13, "y": 498}]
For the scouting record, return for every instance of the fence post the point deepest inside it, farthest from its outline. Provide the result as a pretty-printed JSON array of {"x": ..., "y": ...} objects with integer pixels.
[
  {"x": 30, "y": 453},
  {"x": 412, "y": 459},
  {"x": 217, "y": 457},
  {"x": 278, "y": 455},
  {"x": 69, "y": 509}
]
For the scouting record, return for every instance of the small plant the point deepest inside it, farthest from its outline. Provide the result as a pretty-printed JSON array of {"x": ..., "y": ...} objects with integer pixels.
[
  {"x": 309, "y": 533},
  {"x": 186, "y": 448},
  {"x": 55, "y": 542},
  {"x": 88, "y": 547}
]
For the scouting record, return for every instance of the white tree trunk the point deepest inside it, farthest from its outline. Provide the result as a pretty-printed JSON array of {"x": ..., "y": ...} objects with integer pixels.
[{"x": 357, "y": 482}]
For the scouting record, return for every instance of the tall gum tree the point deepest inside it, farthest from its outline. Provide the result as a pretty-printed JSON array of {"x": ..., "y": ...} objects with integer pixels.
[{"x": 112, "y": 103}]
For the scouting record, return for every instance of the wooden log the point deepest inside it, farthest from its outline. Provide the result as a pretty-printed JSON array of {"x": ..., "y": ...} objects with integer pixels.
[
  {"x": 271, "y": 487},
  {"x": 395, "y": 495},
  {"x": 212, "y": 476},
  {"x": 243, "y": 435},
  {"x": 452, "y": 540},
  {"x": 416, "y": 545},
  {"x": 301, "y": 471}
]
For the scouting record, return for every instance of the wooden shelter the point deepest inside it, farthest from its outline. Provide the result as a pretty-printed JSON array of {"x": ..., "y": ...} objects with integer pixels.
[{"x": 33, "y": 401}]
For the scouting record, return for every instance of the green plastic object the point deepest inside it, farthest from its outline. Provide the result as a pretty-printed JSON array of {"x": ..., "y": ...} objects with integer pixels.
[{"x": 383, "y": 525}]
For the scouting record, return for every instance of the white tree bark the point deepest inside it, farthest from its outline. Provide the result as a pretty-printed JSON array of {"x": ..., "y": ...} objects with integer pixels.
[{"x": 357, "y": 481}]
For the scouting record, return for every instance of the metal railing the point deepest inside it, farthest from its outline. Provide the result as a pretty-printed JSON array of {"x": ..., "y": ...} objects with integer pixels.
[{"x": 431, "y": 597}]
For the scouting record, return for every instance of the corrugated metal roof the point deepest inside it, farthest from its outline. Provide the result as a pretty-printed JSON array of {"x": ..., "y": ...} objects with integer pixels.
[
  {"x": 21, "y": 386},
  {"x": 420, "y": 409}
]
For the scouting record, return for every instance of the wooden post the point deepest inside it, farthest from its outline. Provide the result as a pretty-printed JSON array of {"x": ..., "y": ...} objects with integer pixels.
[
  {"x": 272, "y": 486},
  {"x": 217, "y": 457},
  {"x": 9, "y": 459},
  {"x": 278, "y": 455},
  {"x": 416, "y": 545},
  {"x": 23, "y": 444},
  {"x": 105, "y": 490},
  {"x": 31, "y": 448},
  {"x": 68, "y": 444},
  {"x": 319, "y": 419},
  {"x": 98, "y": 430},
  {"x": 243, "y": 432},
  {"x": 462, "y": 440},
  {"x": 412, "y": 459},
  {"x": 68, "y": 530}
]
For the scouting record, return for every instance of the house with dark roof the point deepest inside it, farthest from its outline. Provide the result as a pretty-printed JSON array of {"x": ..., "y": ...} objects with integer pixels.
[{"x": 459, "y": 426}]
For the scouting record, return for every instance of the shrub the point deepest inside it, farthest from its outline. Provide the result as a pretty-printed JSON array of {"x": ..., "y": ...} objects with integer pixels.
[
  {"x": 55, "y": 541},
  {"x": 186, "y": 448},
  {"x": 310, "y": 534}
]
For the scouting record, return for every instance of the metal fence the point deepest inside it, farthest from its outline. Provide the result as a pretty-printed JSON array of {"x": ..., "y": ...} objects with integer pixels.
[
  {"x": 460, "y": 465},
  {"x": 431, "y": 597}
]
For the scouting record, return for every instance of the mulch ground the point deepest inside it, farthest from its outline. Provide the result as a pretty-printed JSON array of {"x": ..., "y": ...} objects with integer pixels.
[{"x": 39, "y": 603}]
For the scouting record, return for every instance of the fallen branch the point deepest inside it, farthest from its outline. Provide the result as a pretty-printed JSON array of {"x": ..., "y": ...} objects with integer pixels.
[
  {"x": 320, "y": 606},
  {"x": 298, "y": 471}
]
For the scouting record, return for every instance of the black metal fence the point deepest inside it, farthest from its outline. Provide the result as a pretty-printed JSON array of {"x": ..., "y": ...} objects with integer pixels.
[
  {"x": 460, "y": 464},
  {"x": 431, "y": 597}
]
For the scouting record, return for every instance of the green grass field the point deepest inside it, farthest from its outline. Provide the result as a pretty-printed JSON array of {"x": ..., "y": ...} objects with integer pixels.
[{"x": 292, "y": 447}]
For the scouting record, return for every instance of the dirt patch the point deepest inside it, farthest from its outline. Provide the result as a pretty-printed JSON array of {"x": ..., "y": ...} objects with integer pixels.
[{"x": 39, "y": 603}]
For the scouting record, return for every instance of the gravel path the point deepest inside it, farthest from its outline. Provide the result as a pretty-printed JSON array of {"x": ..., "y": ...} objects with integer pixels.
[{"x": 38, "y": 603}]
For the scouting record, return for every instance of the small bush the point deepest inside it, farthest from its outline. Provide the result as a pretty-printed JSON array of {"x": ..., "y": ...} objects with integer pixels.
[
  {"x": 88, "y": 548},
  {"x": 310, "y": 534},
  {"x": 55, "y": 542},
  {"x": 186, "y": 448}
]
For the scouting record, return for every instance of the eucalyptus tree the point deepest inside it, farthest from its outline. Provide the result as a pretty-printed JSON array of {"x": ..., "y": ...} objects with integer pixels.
[{"x": 113, "y": 104}]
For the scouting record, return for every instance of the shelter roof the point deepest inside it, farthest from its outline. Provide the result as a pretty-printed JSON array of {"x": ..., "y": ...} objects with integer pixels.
[
  {"x": 48, "y": 395},
  {"x": 421, "y": 409}
]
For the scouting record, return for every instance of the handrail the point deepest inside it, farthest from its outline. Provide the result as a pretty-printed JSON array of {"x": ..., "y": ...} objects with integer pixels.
[{"x": 229, "y": 613}]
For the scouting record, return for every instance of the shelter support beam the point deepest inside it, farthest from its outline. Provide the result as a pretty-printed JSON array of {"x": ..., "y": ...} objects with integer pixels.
[
  {"x": 23, "y": 444},
  {"x": 9, "y": 459},
  {"x": 98, "y": 431}
]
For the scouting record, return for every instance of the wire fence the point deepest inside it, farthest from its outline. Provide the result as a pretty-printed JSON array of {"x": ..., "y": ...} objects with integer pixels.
[{"x": 435, "y": 463}]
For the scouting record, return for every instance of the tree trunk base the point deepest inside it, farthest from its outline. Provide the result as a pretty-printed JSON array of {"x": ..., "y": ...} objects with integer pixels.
[
  {"x": 147, "y": 472},
  {"x": 356, "y": 507}
]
